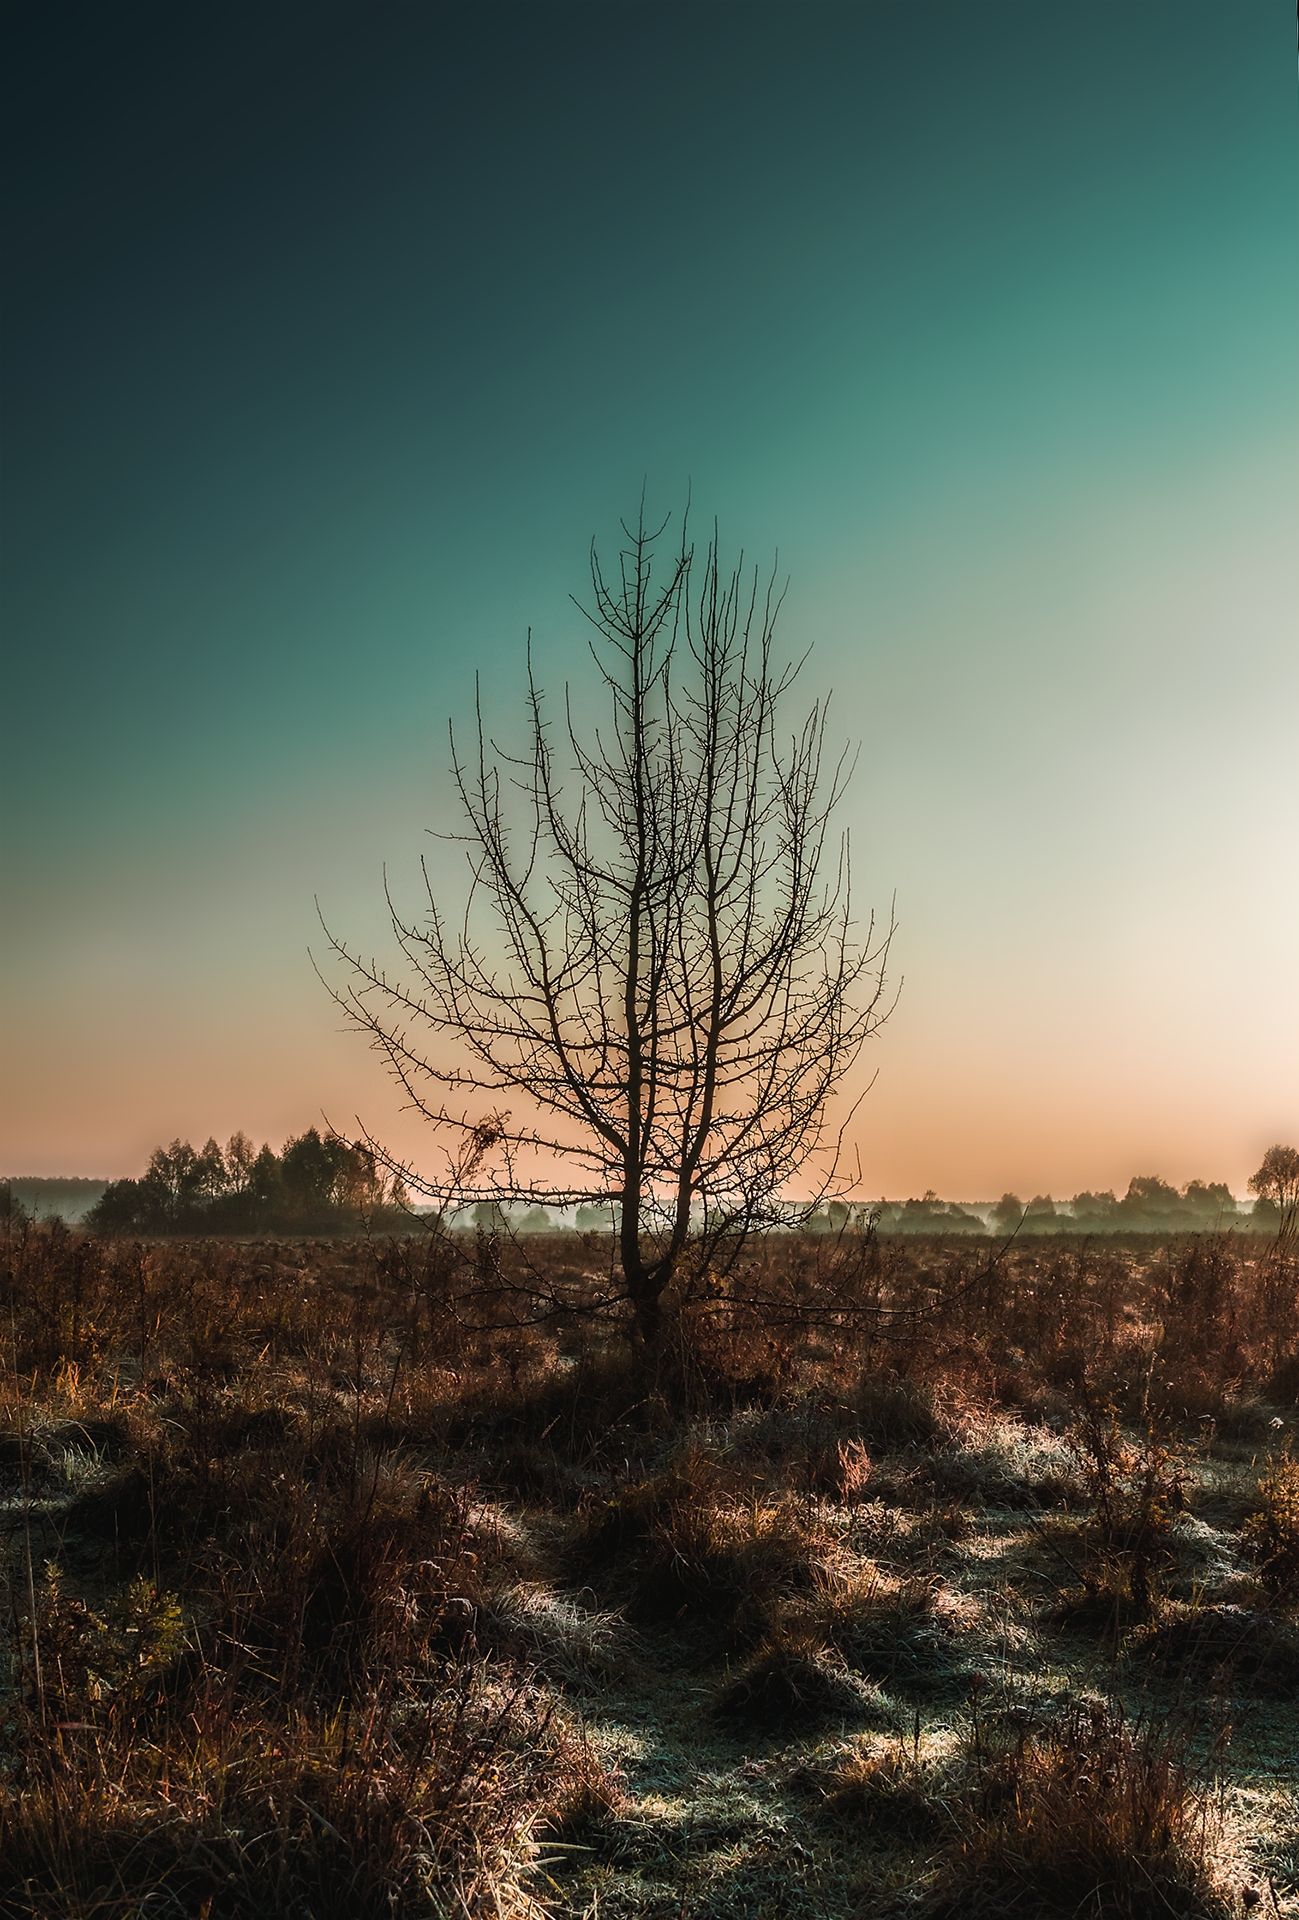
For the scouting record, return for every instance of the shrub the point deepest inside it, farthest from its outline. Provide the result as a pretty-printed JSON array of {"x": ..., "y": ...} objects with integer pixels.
[{"x": 1133, "y": 1491}]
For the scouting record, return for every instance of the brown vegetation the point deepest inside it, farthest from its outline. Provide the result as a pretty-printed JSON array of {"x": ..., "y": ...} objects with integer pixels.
[{"x": 352, "y": 1578}]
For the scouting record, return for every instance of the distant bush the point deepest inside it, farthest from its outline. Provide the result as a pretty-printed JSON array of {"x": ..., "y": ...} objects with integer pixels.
[{"x": 315, "y": 1182}]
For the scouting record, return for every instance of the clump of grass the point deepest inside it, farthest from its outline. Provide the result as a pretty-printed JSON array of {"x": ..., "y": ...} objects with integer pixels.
[
  {"x": 897, "y": 1632},
  {"x": 731, "y": 1564},
  {"x": 263, "y": 1817},
  {"x": 1222, "y": 1647},
  {"x": 315, "y": 1730},
  {"x": 589, "y": 1414},
  {"x": 690, "y": 1544},
  {"x": 810, "y": 1445},
  {"x": 792, "y": 1675},
  {"x": 851, "y": 1470},
  {"x": 1271, "y": 1533},
  {"x": 584, "y": 1793},
  {"x": 567, "y": 1642},
  {"x": 1001, "y": 1462},
  {"x": 1102, "y": 1600},
  {"x": 890, "y": 1790},
  {"x": 896, "y": 1412},
  {"x": 1094, "y": 1813},
  {"x": 611, "y": 1529}
]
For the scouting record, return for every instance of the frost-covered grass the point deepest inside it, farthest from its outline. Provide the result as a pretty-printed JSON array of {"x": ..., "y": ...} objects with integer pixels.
[{"x": 896, "y": 1582}]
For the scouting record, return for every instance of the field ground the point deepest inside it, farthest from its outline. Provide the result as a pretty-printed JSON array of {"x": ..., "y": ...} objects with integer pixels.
[{"x": 348, "y": 1579}]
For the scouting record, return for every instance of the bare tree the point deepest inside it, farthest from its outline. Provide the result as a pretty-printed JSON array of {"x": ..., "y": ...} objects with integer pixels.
[{"x": 659, "y": 960}]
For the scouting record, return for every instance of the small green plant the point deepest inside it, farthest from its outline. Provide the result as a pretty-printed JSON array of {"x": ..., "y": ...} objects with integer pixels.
[
  {"x": 1271, "y": 1533},
  {"x": 78, "y": 1662}
]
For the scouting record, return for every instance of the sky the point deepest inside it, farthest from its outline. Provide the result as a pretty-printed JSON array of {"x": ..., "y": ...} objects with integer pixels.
[{"x": 334, "y": 333}]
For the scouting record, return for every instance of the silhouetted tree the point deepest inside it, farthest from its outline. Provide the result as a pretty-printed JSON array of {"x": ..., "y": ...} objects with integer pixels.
[
  {"x": 358, "y": 1178},
  {"x": 213, "y": 1180},
  {"x": 659, "y": 960},
  {"x": 238, "y": 1191},
  {"x": 1148, "y": 1194},
  {"x": 1277, "y": 1180},
  {"x": 309, "y": 1169},
  {"x": 123, "y": 1207},
  {"x": 173, "y": 1182},
  {"x": 1097, "y": 1204},
  {"x": 266, "y": 1181},
  {"x": 1008, "y": 1213},
  {"x": 240, "y": 1156},
  {"x": 1213, "y": 1197}
]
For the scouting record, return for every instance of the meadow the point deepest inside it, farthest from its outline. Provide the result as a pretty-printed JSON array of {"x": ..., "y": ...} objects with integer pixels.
[{"x": 387, "y": 1576}]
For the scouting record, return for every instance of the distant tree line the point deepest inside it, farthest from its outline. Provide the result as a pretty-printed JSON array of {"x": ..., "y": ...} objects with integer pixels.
[
  {"x": 35, "y": 1196},
  {"x": 1150, "y": 1205},
  {"x": 316, "y": 1181},
  {"x": 321, "y": 1181}
]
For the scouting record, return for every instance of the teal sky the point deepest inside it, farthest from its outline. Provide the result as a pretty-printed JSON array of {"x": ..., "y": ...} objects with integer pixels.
[{"x": 334, "y": 333}]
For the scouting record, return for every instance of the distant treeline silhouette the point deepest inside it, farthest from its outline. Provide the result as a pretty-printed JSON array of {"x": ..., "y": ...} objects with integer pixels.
[
  {"x": 1150, "y": 1205},
  {"x": 316, "y": 1181},
  {"x": 41, "y": 1196},
  {"x": 322, "y": 1181}
]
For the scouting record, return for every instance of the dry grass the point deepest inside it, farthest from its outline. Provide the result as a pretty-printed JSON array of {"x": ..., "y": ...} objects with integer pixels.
[
  {"x": 891, "y": 1792},
  {"x": 695, "y": 1542},
  {"x": 792, "y": 1676},
  {"x": 1096, "y": 1814},
  {"x": 314, "y": 1548}
]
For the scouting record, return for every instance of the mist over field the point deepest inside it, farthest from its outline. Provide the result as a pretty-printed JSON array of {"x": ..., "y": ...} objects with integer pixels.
[{"x": 1150, "y": 1205}]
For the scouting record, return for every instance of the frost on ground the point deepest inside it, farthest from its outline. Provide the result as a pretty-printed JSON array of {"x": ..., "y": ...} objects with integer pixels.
[{"x": 320, "y": 1599}]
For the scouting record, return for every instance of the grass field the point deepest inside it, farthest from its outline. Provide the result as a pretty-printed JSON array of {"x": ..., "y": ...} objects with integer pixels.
[{"x": 348, "y": 1579}]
